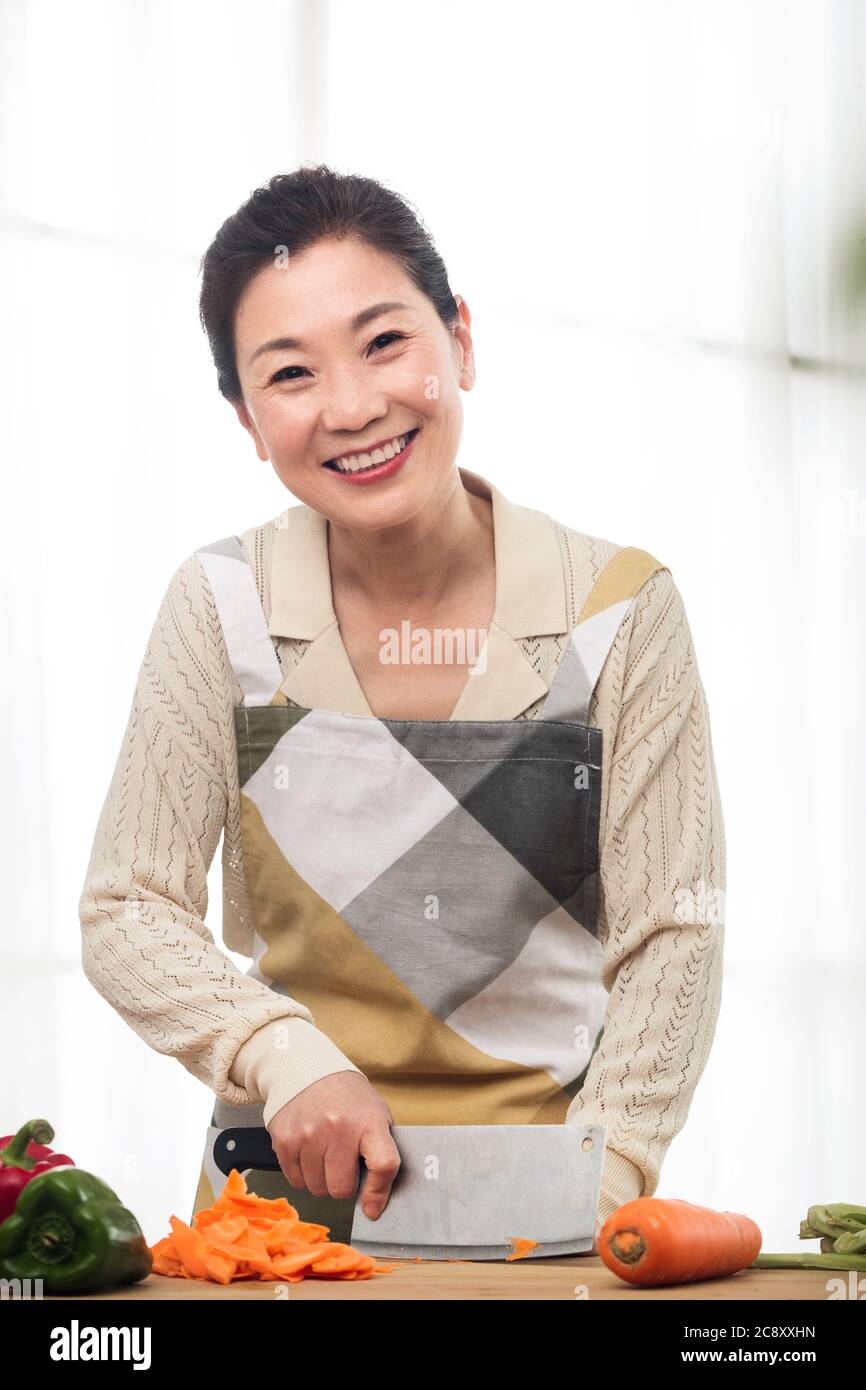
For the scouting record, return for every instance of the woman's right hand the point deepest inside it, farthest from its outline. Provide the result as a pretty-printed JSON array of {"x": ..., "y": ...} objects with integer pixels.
[{"x": 320, "y": 1135}]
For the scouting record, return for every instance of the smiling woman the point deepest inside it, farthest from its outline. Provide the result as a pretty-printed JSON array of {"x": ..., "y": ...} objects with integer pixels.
[
  {"x": 344, "y": 353},
  {"x": 335, "y": 333},
  {"x": 460, "y": 878}
]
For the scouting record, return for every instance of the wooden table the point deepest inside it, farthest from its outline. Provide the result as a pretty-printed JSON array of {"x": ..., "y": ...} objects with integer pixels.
[{"x": 567, "y": 1277}]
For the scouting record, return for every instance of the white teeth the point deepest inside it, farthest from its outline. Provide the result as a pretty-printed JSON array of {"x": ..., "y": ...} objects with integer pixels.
[{"x": 359, "y": 461}]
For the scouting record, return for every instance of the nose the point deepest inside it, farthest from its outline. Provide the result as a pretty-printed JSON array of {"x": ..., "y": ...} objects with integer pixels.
[{"x": 353, "y": 403}]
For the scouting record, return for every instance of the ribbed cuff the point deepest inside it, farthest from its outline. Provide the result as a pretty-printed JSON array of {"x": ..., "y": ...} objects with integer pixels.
[
  {"x": 282, "y": 1059},
  {"x": 621, "y": 1181}
]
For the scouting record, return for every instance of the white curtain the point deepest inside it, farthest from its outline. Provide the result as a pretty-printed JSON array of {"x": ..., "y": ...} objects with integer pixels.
[{"x": 657, "y": 215}]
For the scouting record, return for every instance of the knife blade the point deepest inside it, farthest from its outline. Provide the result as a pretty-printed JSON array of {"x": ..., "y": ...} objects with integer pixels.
[{"x": 462, "y": 1191}]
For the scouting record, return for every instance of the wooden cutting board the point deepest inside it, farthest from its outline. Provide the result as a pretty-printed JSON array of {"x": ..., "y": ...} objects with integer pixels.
[{"x": 568, "y": 1277}]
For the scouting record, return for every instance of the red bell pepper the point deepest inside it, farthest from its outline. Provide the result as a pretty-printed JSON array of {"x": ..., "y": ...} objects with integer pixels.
[{"x": 22, "y": 1157}]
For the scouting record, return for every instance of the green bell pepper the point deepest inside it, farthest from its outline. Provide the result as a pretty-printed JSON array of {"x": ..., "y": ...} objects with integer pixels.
[{"x": 70, "y": 1230}]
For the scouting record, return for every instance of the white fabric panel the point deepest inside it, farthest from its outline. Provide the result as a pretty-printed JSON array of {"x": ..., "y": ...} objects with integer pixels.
[
  {"x": 249, "y": 645},
  {"x": 352, "y": 815},
  {"x": 528, "y": 1013}
]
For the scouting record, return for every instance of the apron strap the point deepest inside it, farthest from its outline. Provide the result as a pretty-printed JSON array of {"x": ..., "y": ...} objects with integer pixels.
[
  {"x": 591, "y": 639},
  {"x": 248, "y": 642}
]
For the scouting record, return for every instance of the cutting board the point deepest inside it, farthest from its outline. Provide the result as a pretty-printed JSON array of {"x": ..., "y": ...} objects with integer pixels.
[{"x": 564, "y": 1278}]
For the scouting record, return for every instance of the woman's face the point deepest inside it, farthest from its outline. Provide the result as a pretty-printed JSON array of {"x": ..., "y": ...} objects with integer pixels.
[{"x": 343, "y": 387}]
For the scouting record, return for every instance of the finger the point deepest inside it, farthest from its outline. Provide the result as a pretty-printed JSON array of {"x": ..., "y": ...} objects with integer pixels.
[
  {"x": 382, "y": 1159},
  {"x": 290, "y": 1162},
  {"x": 312, "y": 1160},
  {"x": 342, "y": 1169}
]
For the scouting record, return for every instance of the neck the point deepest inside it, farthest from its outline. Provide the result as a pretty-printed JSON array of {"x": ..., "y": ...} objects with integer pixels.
[{"x": 422, "y": 562}]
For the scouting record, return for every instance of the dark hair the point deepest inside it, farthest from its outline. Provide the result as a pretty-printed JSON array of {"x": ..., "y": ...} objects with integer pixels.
[{"x": 294, "y": 211}]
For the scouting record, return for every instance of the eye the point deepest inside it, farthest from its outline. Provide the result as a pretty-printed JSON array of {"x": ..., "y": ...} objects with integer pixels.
[
  {"x": 281, "y": 374},
  {"x": 393, "y": 336}
]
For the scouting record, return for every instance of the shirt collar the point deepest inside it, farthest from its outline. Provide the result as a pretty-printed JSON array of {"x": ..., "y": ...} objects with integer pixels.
[
  {"x": 530, "y": 584},
  {"x": 530, "y": 601}
]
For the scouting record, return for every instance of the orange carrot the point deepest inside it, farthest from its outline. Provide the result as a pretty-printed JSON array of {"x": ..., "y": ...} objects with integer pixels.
[
  {"x": 521, "y": 1247},
  {"x": 190, "y": 1247},
  {"x": 220, "y": 1268},
  {"x": 244, "y": 1236},
  {"x": 655, "y": 1240}
]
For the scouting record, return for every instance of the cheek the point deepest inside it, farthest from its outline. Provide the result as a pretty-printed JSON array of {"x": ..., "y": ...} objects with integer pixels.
[
  {"x": 282, "y": 424},
  {"x": 426, "y": 378}
]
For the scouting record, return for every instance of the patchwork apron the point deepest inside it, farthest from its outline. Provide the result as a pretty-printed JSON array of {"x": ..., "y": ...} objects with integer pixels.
[{"x": 427, "y": 888}]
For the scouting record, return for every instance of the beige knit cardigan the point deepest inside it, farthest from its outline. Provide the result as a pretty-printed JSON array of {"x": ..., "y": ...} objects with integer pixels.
[{"x": 145, "y": 944}]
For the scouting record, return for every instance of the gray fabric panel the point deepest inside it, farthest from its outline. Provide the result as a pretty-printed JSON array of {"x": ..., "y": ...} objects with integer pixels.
[
  {"x": 570, "y": 693},
  {"x": 488, "y": 905},
  {"x": 229, "y": 545}
]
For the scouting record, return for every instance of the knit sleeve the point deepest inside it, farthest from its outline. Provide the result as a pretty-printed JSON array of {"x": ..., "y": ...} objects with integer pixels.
[
  {"x": 145, "y": 946},
  {"x": 662, "y": 897}
]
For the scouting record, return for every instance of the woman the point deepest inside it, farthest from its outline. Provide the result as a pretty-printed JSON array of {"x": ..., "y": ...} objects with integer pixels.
[{"x": 460, "y": 752}]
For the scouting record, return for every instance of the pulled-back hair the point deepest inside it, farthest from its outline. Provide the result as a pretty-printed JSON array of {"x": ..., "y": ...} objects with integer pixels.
[{"x": 293, "y": 211}]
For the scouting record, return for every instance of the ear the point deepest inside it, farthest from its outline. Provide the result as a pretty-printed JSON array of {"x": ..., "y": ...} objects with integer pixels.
[
  {"x": 246, "y": 420},
  {"x": 463, "y": 337}
]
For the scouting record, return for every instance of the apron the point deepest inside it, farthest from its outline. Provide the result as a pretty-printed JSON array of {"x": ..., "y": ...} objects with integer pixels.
[{"x": 427, "y": 888}]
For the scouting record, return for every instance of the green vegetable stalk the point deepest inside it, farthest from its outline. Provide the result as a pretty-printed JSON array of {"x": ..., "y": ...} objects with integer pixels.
[
  {"x": 842, "y": 1225},
  {"x": 811, "y": 1260},
  {"x": 841, "y": 1229},
  {"x": 70, "y": 1230}
]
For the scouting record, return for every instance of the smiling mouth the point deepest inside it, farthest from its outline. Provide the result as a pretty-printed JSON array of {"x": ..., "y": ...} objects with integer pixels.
[{"x": 368, "y": 468}]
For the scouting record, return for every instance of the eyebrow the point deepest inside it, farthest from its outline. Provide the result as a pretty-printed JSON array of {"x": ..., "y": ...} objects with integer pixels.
[{"x": 366, "y": 316}]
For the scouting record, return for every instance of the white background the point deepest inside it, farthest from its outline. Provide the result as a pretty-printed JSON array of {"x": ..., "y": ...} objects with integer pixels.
[{"x": 657, "y": 215}]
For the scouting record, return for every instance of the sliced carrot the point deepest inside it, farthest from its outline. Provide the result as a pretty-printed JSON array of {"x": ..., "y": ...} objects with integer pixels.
[
  {"x": 244, "y": 1236},
  {"x": 340, "y": 1257},
  {"x": 190, "y": 1246},
  {"x": 277, "y": 1234},
  {"x": 220, "y": 1267},
  {"x": 337, "y": 1255},
  {"x": 521, "y": 1247},
  {"x": 301, "y": 1259},
  {"x": 238, "y": 1250},
  {"x": 230, "y": 1228},
  {"x": 249, "y": 1202},
  {"x": 165, "y": 1259}
]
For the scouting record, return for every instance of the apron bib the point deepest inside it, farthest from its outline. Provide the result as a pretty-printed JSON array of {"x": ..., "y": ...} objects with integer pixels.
[{"x": 427, "y": 888}]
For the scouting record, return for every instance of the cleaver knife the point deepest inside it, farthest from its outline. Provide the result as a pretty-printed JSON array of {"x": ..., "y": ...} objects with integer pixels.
[{"x": 463, "y": 1190}]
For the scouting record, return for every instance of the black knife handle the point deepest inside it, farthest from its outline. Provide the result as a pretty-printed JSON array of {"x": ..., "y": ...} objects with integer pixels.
[{"x": 247, "y": 1147}]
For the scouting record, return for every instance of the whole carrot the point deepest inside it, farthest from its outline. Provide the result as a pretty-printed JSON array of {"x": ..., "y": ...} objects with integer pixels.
[{"x": 656, "y": 1240}]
